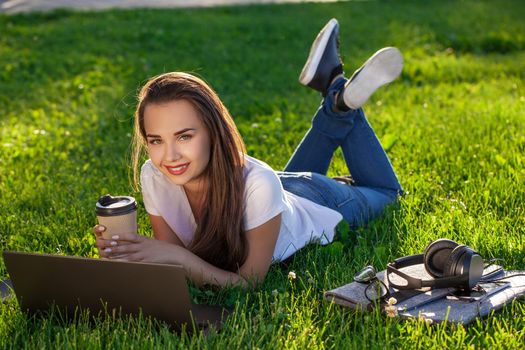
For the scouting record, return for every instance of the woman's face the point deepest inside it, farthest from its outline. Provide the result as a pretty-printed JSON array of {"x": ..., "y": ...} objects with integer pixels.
[{"x": 178, "y": 142}]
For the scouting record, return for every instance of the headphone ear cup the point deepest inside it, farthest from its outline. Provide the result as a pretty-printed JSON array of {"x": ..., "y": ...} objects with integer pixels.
[
  {"x": 456, "y": 257},
  {"x": 436, "y": 255}
]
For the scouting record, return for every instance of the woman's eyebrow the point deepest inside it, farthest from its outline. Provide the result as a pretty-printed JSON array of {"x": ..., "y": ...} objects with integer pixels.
[{"x": 174, "y": 134}]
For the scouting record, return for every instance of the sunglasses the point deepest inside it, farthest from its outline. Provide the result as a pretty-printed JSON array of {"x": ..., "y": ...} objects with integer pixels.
[{"x": 376, "y": 289}]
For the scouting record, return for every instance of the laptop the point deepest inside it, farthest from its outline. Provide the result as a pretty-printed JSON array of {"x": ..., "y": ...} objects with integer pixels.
[{"x": 100, "y": 285}]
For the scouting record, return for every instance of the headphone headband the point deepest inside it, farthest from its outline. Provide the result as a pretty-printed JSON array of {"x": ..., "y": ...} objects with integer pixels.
[{"x": 417, "y": 283}]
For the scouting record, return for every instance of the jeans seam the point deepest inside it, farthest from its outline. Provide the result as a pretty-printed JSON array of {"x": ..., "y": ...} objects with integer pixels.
[
  {"x": 346, "y": 201},
  {"x": 363, "y": 203},
  {"x": 317, "y": 191}
]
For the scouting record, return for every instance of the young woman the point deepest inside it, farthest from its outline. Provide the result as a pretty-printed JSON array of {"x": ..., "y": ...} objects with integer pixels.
[{"x": 225, "y": 216}]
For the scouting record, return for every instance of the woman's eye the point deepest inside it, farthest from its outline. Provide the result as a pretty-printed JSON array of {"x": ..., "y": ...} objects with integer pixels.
[
  {"x": 184, "y": 137},
  {"x": 154, "y": 142}
]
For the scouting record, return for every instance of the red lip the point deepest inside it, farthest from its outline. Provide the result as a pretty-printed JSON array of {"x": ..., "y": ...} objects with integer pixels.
[{"x": 179, "y": 172}]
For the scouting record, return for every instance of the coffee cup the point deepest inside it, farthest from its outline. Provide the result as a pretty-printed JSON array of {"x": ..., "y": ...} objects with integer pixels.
[{"x": 118, "y": 214}]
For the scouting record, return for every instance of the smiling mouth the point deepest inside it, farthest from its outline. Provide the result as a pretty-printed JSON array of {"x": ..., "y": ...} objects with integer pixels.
[{"x": 178, "y": 170}]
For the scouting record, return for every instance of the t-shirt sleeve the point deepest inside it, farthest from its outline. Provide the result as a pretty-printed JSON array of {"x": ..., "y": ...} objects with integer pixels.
[
  {"x": 146, "y": 184},
  {"x": 264, "y": 198}
]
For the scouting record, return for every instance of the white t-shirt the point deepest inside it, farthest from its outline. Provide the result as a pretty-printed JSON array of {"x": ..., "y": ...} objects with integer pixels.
[{"x": 302, "y": 221}]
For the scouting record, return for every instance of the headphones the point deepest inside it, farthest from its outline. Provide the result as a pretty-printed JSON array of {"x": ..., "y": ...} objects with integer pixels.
[{"x": 451, "y": 265}]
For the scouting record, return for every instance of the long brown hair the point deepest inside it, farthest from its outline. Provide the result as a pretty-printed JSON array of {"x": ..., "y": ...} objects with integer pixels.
[{"x": 219, "y": 238}]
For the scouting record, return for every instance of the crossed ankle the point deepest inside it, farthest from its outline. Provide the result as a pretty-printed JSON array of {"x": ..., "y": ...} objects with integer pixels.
[
  {"x": 341, "y": 75},
  {"x": 338, "y": 105}
]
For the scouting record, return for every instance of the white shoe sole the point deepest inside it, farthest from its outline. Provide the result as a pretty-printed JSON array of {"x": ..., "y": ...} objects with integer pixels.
[
  {"x": 380, "y": 69},
  {"x": 316, "y": 52}
]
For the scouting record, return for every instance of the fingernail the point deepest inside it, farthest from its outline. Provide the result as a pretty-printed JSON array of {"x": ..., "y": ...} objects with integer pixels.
[
  {"x": 115, "y": 237},
  {"x": 107, "y": 250},
  {"x": 113, "y": 243}
]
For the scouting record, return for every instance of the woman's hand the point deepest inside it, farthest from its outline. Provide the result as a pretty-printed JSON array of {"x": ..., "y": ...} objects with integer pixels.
[
  {"x": 133, "y": 247},
  {"x": 102, "y": 243}
]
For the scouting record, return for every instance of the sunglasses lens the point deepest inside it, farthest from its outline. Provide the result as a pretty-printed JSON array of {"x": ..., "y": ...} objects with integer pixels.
[
  {"x": 365, "y": 275},
  {"x": 376, "y": 290}
]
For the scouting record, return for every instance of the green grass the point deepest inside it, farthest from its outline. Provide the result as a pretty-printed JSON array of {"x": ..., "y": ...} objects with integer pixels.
[{"x": 453, "y": 125}]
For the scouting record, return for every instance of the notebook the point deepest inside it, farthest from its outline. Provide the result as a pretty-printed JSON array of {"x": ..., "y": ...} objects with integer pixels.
[{"x": 102, "y": 285}]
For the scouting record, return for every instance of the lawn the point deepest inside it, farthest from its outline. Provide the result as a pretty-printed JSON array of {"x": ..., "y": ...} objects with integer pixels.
[{"x": 453, "y": 126}]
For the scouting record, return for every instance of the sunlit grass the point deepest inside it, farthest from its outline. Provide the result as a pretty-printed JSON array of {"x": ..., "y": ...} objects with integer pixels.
[{"x": 453, "y": 125}]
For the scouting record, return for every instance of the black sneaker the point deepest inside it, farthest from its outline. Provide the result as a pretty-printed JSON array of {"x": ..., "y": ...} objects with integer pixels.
[
  {"x": 323, "y": 63},
  {"x": 380, "y": 69}
]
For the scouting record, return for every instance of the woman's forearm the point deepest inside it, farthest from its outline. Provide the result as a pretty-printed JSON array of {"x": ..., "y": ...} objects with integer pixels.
[{"x": 201, "y": 272}]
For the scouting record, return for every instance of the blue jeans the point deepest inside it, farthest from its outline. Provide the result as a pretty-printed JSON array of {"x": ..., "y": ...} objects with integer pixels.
[{"x": 375, "y": 182}]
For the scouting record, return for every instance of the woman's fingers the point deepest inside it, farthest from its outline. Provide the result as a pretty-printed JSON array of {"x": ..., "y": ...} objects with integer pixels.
[
  {"x": 101, "y": 251},
  {"x": 128, "y": 237},
  {"x": 115, "y": 248},
  {"x": 98, "y": 229},
  {"x": 121, "y": 250},
  {"x": 120, "y": 259},
  {"x": 102, "y": 243}
]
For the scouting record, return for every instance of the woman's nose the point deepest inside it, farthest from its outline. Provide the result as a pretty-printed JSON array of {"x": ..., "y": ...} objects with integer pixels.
[{"x": 172, "y": 153}]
